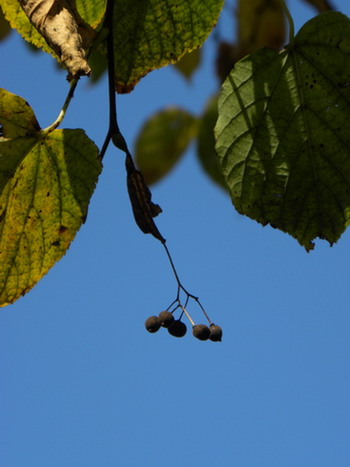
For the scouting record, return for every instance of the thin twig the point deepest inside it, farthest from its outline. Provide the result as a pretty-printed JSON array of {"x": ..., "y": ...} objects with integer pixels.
[{"x": 181, "y": 287}]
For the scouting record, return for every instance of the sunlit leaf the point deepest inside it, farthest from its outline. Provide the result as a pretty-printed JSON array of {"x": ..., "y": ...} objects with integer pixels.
[
  {"x": 206, "y": 143},
  {"x": 283, "y": 133},
  {"x": 150, "y": 34},
  {"x": 162, "y": 141},
  {"x": 46, "y": 182}
]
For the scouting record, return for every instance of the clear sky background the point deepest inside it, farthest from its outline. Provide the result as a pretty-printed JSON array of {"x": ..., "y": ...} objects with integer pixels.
[{"x": 82, "y": 384}]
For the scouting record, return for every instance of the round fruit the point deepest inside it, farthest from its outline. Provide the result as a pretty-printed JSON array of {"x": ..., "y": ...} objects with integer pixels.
[
  {"x": 215, "y": 333},
  {"x": 152, "y": 324},
  {"x": 165, "y": 318},
  {"x": 177, "y": 328},
  {"x": 201, "y": 331}
]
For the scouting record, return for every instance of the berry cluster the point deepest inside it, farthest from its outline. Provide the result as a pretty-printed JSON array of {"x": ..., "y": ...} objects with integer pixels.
[{"x": 178, "y": 328}]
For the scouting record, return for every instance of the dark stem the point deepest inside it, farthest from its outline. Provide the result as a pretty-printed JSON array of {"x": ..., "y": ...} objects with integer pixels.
[
  {"x": 118, "y": 140},
  {"x": 180, "y": 286},
  {"x": 113, "y": 125},
  {"x": 113, "y": 132},
  {"x": 173, "y": 268},
  {"x": 172, "y": 305}
]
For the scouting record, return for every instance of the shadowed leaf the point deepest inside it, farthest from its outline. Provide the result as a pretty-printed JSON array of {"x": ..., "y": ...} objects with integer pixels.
[{"x": 283, "y": 133}]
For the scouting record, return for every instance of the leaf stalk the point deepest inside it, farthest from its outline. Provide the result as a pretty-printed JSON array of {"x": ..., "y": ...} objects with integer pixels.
[{"x": 61, "y": 115}]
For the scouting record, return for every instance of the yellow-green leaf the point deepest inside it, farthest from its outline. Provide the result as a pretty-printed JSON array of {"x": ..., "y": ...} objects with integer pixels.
[
  {"x": 150, "y": 34},
  {"x": 46, "y": 182},
  {"x": 162, "y": 141}
]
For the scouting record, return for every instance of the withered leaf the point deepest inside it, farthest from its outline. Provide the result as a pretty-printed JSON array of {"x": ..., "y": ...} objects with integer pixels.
[
  {"x": 141, "y": 201},
  {"x": 58, "y": 23}
]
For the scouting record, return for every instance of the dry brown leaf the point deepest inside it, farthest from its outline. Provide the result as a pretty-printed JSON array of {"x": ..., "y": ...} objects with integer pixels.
[
  {"x": 58, "y": 23},
  {"x": 140, "y": 197}
]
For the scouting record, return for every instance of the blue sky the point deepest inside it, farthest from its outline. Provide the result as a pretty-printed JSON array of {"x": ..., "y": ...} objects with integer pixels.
[{"x": 82, "y": 384}]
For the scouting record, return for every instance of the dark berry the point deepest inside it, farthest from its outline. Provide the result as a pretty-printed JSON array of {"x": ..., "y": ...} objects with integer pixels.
[
  {"x": 166, "y": 318},
  {"x": 201, "y": 331},
  {"x": 152, "y": 324},
  {"x": 215, "y": 333},
  {"x": 177, "y": 328}
]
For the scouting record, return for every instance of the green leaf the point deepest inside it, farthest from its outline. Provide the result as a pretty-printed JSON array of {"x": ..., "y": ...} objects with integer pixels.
[
  {"x": 189, "y": 63},
  {"x": 283, "y": 133},
  {"x": 46, "y": 182},
  {"x": 162, "y": 141},
  {"x": 90, "y": 12},
  {"x": 206, "y": 143},
  {"x": 150, "y": 34}
]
